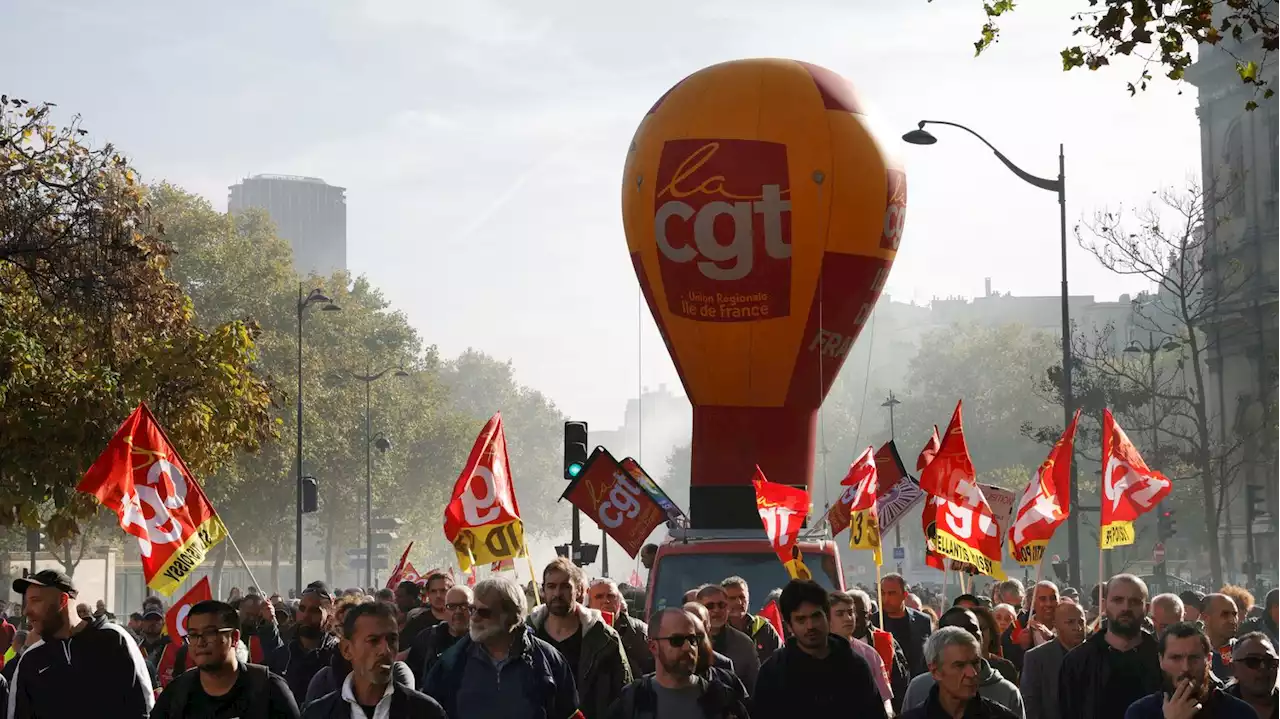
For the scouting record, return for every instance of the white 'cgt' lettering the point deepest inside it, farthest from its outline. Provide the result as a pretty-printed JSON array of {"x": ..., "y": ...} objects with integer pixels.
[
  {"x": 739, "y": 251},
  {"x": 623, "y": 500}
]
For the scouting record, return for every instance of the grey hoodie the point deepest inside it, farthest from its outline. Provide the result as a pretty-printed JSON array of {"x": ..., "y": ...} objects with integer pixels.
[{"x": 990, "y": 685}]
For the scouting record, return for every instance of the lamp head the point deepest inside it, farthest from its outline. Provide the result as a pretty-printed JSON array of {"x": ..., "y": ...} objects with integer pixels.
[{"x": 920, "y": 136}]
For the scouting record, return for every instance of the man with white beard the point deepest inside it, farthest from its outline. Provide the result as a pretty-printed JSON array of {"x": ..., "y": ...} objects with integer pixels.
[{"x": 500, "y": 669}]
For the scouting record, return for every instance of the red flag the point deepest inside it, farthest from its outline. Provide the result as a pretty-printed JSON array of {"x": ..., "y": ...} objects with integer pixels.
[
  {"x": 175, "y": 619},
  {"x": 635, "y": 580},
  {"x": 838, "y": 516},
  {"x": 1129, "y": 487},
  {"x": 482, "y": 520},
  {"x": 142, "y": 479},
  {"x": 965, "y": 526},
  {"x": 394, "y": 580},
  {"x": 616, "y": 501},
  {"x": 771, "y": 613},
  {"x": 782, "y": 510},
  {"x": 930, "y": 450},
  {"x": 1044, "y": 503},
  {"x": 863, "y": 481}
]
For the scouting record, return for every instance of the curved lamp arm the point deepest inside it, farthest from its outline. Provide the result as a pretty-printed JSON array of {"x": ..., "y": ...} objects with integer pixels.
[
  {"x": 366, "y": 378},
  {"x": 1054, "y": 185}
]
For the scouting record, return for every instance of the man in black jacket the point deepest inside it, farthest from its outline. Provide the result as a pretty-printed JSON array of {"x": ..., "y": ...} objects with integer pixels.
[
  {"x": 1113, "y": 668},
  {"x": 370, "y": 639},
  {"x": 312, "y": 647},
  {"x": 604, "y": 596},
  {"x": 95, "y": 671},
  {"x": 430, "y": 644},
  {"x": 675, "y": 689},
  {"x": 908, "y": 626},
  {"x": 222, "y": 687},
  {"x": 815, "y": 674}
]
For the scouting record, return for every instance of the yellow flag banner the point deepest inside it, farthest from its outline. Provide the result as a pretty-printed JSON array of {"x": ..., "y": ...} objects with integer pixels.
[
  {"x": 488, "y": 543},
  {"x": 950, "y": 546},
  {"x": 1118, "y": 534},
  {"x": 864, "y": 532}
]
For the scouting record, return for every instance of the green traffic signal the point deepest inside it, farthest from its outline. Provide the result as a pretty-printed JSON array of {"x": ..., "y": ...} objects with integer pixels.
[{"x": 574, "y": 469}]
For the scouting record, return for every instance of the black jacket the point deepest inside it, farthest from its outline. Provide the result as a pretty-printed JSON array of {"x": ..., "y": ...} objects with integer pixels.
[
  {"x": 406, "y": 703},
  {"x": 265, "y": 695},
  {"x": 979, "y": 707},
  {"x": 784, "y": 691},
  {"x": 99, "y": 671},
  {"x": 718, "y": 701},
  {"x": 1085, "y": 670},
  {"x": 634, "y": 635},
  {"x": 427, "y": 648},
  {"x": 298, "y": 665},
  {"x": 921, "y": 628}
]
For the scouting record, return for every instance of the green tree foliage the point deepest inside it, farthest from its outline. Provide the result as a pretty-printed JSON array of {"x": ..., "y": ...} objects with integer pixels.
[
  {"x": 1162, "y": 34},
  {"x": 90, "y": 326}
]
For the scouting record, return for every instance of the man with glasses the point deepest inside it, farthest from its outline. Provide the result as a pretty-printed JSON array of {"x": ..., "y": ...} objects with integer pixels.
[
  {"x": 501, "y": 670},
  {"x": 604, "y": 596},
  {"x": 727, "y": 640},
  {"x": 222, "y": 687},
  {"x": 1254, "y": 659},
  {"x": 675, "y": 689},
  {"x": 429, "y": 645}
]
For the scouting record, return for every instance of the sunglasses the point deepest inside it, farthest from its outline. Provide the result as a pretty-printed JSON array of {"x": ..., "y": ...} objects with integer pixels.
[
  {"x": 1256, "y": 663},
  {"x": 482, "y": 612},
  {"x": 678, "y": 640},
  {"x": 455, "y": 606}
]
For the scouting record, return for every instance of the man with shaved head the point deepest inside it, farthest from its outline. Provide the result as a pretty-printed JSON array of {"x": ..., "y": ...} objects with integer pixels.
[
  {"x": 1114, "y": 668},
  {"x": 603, "y": 595},
  {"x": 1166, "y": 609},
  {"x": 675, "y": 689},
  {"x": 1040, "y": 666},
  {"x": 1221, "y": 620},
  {"x": 1034, "y": 628}
]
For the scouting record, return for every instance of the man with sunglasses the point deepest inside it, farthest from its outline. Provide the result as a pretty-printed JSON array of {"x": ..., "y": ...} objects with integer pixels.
[
  {"x": 725, "y": 639},
  {"x": 430, "y": 644},
  {"x": 222, "y": 687},
  {"x": 675, "y": 690},
  {"x": 1254, "y": 659}
]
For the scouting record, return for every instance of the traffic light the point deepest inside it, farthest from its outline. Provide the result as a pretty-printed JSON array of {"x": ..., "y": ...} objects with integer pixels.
[
  {"x": 575, "y": 448},
  {"x": 1166, "y": 525},
  {"x": 310, "y": 495},
  {"x": 1255, "y": 502}
]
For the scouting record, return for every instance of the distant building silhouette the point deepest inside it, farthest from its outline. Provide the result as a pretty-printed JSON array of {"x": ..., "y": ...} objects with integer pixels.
[{"x": 309, "y": 213}]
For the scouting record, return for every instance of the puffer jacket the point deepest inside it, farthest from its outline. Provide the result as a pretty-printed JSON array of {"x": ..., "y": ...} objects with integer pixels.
[{"x": 603, "y": 669}]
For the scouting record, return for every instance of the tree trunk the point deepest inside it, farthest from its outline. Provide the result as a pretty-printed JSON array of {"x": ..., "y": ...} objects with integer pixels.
[
  {"x": 1204, "y": 462},
  {"x": 275, "y": 563},
  {"x": 332, "y": 523},
  {"x": 217, "y": 569}
]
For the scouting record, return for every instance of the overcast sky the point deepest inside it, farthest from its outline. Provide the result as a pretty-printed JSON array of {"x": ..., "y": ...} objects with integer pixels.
[{"x": 482, "y": 142}]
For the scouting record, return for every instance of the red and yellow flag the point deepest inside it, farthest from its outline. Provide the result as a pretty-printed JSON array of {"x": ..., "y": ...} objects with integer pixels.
[
  {"x": 860, "y": 497},
  {"x": 782, "y": 510},
  {"x": 482, "y": 520},
  {"x": 141, "y": 478},
  {"x": 1129, "y": 487},
  {"x": 928, "y": 517},
  {"x": 1045, "y": 503},
  {"x": 966, "y": 528}
]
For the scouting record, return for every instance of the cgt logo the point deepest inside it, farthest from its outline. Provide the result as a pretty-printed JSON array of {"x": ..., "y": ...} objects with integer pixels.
[{"x": 722, "y": 225}]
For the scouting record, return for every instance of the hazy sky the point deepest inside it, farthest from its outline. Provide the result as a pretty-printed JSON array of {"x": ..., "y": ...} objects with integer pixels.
[{"x": 482, "y": 142}]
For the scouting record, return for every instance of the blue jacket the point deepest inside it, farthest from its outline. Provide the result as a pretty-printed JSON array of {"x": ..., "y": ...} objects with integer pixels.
[
  {"x": 547, "y": 670},
  {"x": 1219, "y": 705}
]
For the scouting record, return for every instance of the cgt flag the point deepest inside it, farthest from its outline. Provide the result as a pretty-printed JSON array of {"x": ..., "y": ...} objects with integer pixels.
[
  {"x": 928, "y": 517},
  {"x": 783, "y": 510},
  {"x": 863, "y": 485},
  {"x": 1129, "y": 487},
  {"x": 482, "y": 520},
  {"x": 965, "y": 526},
  {"x": 397, "y": 574},
  {"x": 608, "y": 494},
  {"x": 1044, "y": 503},
  {"x": 142, "y": 479},
  {"x": 841, "y": 513}
]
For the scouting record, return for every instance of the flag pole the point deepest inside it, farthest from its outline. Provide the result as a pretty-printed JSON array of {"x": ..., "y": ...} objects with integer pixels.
[
  {"x": 243, "y": 563},
  {"x": 533, "y": 575},
  {"x": 880, "y": 597}
]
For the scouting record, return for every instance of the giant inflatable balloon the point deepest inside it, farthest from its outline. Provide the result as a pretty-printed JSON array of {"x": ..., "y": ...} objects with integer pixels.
[{"x": 762, "y": 217}]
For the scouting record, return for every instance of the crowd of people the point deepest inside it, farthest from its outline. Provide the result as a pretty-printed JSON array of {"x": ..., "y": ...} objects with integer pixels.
[{"x": 446, "y": 650}]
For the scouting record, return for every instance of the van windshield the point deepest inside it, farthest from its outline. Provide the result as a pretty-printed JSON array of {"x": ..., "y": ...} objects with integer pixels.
[{"x": 676, "y": 574}]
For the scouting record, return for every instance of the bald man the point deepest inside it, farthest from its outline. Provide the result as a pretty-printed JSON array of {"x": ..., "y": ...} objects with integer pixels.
[
  {"x": 1221, "y": 620},
  {"x": 1166, "y": 609},
  {"x": 1040, "y": 666},
  {"x": 1114, "y": 668}
]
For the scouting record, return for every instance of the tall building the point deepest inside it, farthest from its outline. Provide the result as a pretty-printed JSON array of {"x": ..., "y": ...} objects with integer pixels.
[
  {"x": 309, "y": 213},
  {"x": 1238, "y": 154}
]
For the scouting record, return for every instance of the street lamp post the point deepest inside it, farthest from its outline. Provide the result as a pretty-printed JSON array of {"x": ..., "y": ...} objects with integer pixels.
[
  {"x": 890, "y": 403},
  {"x": 920, "y": 136},
  {"x": 369, "y": 377},
  {"x": 315, "y": 296}
]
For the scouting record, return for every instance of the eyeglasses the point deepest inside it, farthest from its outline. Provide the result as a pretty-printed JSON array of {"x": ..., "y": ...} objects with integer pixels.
[
  {"x": 1256, "y": 663},
  {"x": 481, "y": 612},
  {"x": 207, "y": 636},
  {"x": 678, "y": 640},
  {"x": 457, "y": 606},
  {"x": 715, "y": 605}
]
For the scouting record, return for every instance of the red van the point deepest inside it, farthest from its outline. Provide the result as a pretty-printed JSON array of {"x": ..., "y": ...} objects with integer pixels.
[{"x": 690, "y": 558}]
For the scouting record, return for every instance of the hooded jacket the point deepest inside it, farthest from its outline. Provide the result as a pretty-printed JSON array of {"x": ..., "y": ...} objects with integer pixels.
[
  {"x": 844, "y": 686},
  {"x": 98, "y": 671},
  {"x": 991, "y": 685},
  {"x": 299, "y": 666},
  {"x": 1085, "y": 670},
  {"x": 602, "y": 669}
]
